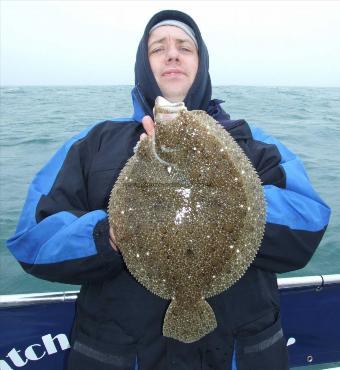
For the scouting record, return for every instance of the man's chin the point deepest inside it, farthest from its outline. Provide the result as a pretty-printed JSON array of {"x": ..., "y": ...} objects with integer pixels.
[
  {"x": 176, "y": 94},
  {"x": 174, "y": 98}
]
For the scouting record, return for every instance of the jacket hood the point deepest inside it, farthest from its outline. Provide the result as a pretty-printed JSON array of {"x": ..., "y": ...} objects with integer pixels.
[{"x": 146, "y": 88}]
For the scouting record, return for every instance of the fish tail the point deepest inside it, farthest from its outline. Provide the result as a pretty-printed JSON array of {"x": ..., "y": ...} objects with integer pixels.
[{"x": 189, "y": 324}]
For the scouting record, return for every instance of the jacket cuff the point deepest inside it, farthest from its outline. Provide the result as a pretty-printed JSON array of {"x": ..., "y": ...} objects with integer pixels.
[{"x": 102, "y": 241}]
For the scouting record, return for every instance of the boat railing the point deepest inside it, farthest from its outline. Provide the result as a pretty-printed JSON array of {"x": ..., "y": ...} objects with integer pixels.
[{"x": 13, "y": 300}]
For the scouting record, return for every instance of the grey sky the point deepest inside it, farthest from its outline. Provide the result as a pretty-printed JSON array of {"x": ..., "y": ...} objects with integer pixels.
[{"x": 94, "y": 42}]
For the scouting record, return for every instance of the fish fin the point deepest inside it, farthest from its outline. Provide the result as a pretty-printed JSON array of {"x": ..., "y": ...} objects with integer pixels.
[{"x": 189, "y": 324}]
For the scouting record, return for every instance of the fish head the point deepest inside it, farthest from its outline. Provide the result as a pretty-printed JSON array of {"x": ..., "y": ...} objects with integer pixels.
[{"x": 176, "y": 131}]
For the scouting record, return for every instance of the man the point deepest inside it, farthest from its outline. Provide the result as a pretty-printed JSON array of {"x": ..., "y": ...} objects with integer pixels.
[{"x": 63, "y": 233}]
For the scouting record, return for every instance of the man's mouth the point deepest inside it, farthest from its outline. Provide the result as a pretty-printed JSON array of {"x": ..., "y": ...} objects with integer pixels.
[{"x": 173, "y": 72}]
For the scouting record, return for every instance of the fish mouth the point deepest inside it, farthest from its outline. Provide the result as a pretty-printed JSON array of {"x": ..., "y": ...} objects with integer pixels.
[
  {"x": 167, "y": 149},
  {"x": 163, "y": 149}
]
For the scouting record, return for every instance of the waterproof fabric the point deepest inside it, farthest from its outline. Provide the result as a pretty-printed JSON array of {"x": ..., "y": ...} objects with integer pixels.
[{"x": 63, "y": 236}]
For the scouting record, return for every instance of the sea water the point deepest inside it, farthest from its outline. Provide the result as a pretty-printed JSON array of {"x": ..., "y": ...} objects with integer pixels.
[{"x": 35, "y": 121}]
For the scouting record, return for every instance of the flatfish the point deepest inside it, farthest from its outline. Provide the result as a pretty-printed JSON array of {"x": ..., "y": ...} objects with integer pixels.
[{"x": 188, "y": 214}]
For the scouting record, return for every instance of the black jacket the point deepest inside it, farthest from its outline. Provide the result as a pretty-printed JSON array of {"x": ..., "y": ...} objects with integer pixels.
[{"x": 62, "y": 236}]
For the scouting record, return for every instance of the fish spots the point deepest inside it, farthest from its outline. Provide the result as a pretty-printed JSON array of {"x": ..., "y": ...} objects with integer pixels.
[{"x": 188, "y": 213}]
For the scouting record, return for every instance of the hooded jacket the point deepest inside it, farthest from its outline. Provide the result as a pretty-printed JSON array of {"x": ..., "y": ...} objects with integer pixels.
[{"x": 63, "y": 235}]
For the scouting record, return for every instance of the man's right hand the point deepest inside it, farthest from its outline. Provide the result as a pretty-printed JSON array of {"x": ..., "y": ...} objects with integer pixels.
[
  {"x": 149, "y": 127},
  {"x": 113, "y": 240}
]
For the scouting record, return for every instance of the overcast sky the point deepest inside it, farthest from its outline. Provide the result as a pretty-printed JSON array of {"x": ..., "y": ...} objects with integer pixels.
[{"x": 94, "y": 42}]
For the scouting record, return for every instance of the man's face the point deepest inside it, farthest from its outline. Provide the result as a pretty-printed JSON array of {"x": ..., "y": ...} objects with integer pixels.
[{"x": 173, "y": 59}]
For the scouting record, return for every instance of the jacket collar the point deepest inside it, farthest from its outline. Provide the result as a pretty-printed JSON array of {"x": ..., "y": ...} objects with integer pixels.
[{"x": 239, "y": 129}]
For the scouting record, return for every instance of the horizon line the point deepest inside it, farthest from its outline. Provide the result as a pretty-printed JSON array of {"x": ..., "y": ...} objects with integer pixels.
[{"x": 131, "y": 85}]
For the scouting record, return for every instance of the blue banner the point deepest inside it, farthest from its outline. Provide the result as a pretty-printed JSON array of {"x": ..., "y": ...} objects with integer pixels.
[
  {"x": 311, "y": 324},
  {"x": 36, "y": 337}
]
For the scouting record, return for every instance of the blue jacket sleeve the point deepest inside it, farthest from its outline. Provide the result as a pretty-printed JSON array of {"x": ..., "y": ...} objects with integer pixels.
[
  {"x": 296, "y": 216},
  {"x": 58, "y": 238}
]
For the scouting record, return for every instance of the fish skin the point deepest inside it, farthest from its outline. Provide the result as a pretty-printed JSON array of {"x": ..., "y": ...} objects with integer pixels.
[{"x": 188, "y": 214}]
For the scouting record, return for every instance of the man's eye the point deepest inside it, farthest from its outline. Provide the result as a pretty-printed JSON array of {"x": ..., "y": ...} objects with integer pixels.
[
  {"x": 186, "y": 49},
  {"x": 157, "y": 50}
]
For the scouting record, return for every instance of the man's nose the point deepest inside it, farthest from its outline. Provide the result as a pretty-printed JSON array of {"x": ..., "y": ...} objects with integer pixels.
[{"x": 172, "y": 53}]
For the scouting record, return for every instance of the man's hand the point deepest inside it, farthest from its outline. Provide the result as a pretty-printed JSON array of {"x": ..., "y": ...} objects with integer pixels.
[
  {"x": 113, "y": 240},
  {"x": 149, "y": 127}
]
